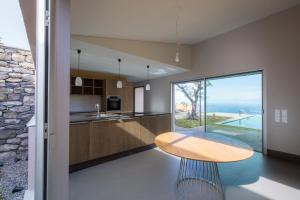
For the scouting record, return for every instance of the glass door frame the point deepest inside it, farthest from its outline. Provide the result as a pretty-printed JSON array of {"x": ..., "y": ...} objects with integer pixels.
[
  {"x": 41, "y": 113},
  {"x": 263, "y": 94},
  {"x": 204, "y": 79}
]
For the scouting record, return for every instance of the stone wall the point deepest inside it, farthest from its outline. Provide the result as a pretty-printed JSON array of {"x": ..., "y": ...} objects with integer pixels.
[{"x": 17, "y": 87}]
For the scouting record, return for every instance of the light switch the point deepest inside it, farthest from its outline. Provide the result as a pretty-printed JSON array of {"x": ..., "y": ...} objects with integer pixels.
[
  {"x": 284, "y": 116},
  {"x": 277, "y": 115}
]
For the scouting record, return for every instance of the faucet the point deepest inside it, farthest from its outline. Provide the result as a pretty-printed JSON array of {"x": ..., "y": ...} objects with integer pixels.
[{"x": 97, "y": 107}]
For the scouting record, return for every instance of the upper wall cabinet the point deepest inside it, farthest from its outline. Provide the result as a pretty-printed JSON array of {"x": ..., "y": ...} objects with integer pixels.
[{"x": 89, "y": 87}]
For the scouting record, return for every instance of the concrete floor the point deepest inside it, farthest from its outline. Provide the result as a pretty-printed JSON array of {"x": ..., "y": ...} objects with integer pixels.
[{"x": 151, "y": 175}]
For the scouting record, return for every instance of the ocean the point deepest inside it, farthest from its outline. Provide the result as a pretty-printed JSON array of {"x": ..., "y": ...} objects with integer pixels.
[{"x": 254, "y": 109}]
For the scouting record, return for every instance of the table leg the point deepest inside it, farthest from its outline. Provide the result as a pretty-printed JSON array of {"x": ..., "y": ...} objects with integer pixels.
[{"x": 199, "y": 180}]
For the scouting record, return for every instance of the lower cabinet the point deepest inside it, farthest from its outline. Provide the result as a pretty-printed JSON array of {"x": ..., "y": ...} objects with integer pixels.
[
  {"x": 107, "y": 138},
  {"x": 151, "y": 126},
  {"x": 147, "y": 129},
  {"x": 79, "y": 143},
  {"x": 131, "y": 130},
  {"x": 89, "y": 141}
]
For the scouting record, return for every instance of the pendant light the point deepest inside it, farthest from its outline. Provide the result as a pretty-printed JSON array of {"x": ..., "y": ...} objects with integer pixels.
[
  {"x": 177, "y": 59},
  {"x": 148, "y": 84},
  {"x": 119, "y": 82},
  {"x": 78, "y": 80}
]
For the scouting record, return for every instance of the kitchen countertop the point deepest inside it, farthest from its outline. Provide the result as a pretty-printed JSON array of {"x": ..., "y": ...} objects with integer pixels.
[{"x": 92, "y": 116}]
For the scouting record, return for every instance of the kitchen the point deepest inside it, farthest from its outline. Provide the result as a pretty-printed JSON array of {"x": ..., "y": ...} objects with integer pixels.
[{"x": 104, "y": 121}]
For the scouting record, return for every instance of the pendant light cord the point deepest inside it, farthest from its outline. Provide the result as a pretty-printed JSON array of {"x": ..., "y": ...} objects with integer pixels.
[
  {"x": 147, "y": 73},
  {"x": 119, "y": 60},
  {"x": 177, "y": 21},
  {"x": 78, "y": 51}
]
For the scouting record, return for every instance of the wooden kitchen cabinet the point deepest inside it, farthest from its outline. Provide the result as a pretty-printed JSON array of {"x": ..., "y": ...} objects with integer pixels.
[
  {"x": 147, "y": 129},
  {"x": 107, "y": 138},
  {"x": 79, "y": 143},
  {"x": 97, "y": 139},
  {"x": 131, "y": 132},
  {"x": 127, "y": 99},
  {"x": 151, "y": 126},
  {"x": 162, "y": 124},
  {"x": 126, "y": 94},
  {"x": 111, "y": 88}
]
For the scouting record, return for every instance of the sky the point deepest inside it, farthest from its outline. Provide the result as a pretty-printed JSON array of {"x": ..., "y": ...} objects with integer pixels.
[
  {"x": 12, "y": 28},
  {"x": 232, "y": 90},
  {"x": 240, "y": 90}
]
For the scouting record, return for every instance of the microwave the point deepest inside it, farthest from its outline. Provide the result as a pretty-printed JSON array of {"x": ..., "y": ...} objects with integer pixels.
[{"x": 113, "y": 103}]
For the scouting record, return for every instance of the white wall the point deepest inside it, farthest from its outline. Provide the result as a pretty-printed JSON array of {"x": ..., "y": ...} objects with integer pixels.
[{"x": 271, "y": 44}]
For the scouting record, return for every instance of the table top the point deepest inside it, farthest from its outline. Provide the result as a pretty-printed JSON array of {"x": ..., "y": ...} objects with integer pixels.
[{"x": 204, "y": 147}]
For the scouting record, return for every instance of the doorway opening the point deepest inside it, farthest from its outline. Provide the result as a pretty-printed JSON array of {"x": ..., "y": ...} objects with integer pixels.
[{"x": 139, "y": 94}]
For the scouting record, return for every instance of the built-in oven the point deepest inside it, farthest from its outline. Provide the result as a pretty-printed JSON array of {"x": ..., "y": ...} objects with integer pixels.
[{"x": 113, "y": 103}]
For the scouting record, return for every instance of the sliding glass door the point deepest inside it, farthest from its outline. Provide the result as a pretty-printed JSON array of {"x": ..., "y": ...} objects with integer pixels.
[
  {"x": 234, "y": 107},
  {"x": 230, "y": 106}
]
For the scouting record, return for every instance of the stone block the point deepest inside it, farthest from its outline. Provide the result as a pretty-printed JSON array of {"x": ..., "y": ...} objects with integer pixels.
[
  {"x": 3, "y": 76},
  {"x": 22, "y": 70},
  {"x": 13, "y": 141},
  {"x": 5, "y": 69},
  {"x": 25, "y": 116},
  {"x": 27, "y": 65},
  {"x": 29, "y": 90},
  {"x": 11, "y": 62},
  {"x": 24, "y": 142},
  {"x": 6, "y": 134},
  {"x": 27, "y": 84},
  {"x": 14, "y": 80},
  {"x": 18, "y": 90},
  {"x": 29, "y": 100},
  {"x": 2, "y": 142},
  {"x": 15, "y": 75},
  {"x": 21, "y": 148},
  {"x": 29, "y": 59},
  {"x": 8, "y": 147},
  {"x": 11, "y": 103},
  {"x": 13, "y": 97},
  {"x": 12, "y": 121},
  {"x": 10, "y": 115},
  {"x": 12, "y": 65},
  {"x": 4, "y": 90},
  {"x": 5, "y": 56},
  {"x": 12, "y": 85},
  {"x": 16, "y": 127},
  {"x": 23, "y": 135},
  {"x": 17, "y": 57},
  {"x": 7, "y": 155},
  {"x": 3, "y": 97},
  {"x": 28, "y": 77},
  {"x": 19, "y": 109},
  {"x": 3, "y": 64}
]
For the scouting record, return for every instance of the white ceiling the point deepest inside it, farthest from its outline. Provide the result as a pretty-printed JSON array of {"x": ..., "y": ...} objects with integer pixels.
[
  {"x": 97, "y": 58},
  {"x": 154, "y": 20}
]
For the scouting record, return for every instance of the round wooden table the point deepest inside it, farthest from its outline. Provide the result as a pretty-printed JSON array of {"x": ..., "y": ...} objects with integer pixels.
[{"x": 199, "y": 155}]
